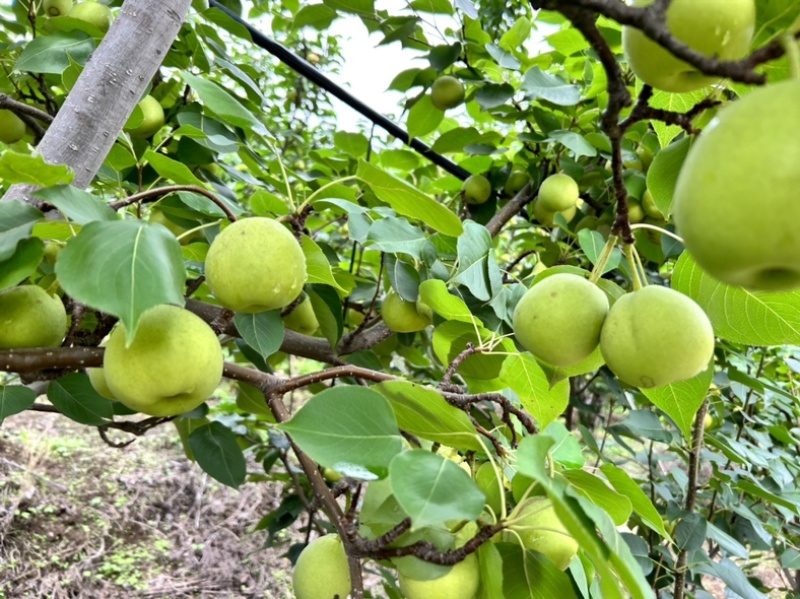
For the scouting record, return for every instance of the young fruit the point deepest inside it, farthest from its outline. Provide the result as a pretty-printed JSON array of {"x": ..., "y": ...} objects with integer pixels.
[
  {"x": 302, "y": 319},
  {"x": 737, "y": 198},
  {"x": 476, "y": 189},
  {"x": 460, "y": 582},
  {"x": 12, "y": 128},
  {"x": 447, "y": 92},
  {"x": 31, "y": 317},
  {"x": 402, "y": 316},
  {"x": 719, "y": 28},
  {"x": 97, "y": 377},
  {"x": 321, "y": 570},
  {"x": 559, "y": 319},
  {"x": 56, "y": 8},
  {"x": 173, "y": 365},
  {"x": 540, "y": 530},
  {"x": 92, "y": 12},
  {"x": 656, "y": 336},
  {"x": 152, "y": 118},
  {"x": 515, "y": 182},
  {"x": 255, "y": 265},
  {"x": 558, "y": 193},
  {"x": 548, "y": 218}
]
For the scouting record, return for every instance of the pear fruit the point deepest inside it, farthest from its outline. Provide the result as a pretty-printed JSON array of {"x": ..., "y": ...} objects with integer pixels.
[
  {"x": 92, "y": 12},
  {"x": 540, "y": 529},
  {"x": 476, "y": 189},
  {"x": 255, "y": 265},
  {"x": 559, "y": 319},
  {"x": 152, "y": 118},
  {"x": 56, "y": 8},
  {"x": 302, "y": 319},
  {"x": 515, "y": 182},
  {"x": 737, "y": 197},
  {"x": 12, "y": 128},
  {"x": 656, "y": 336},
  {"x": 557, "y": 193},
  {"x": 447, "y": 92},
  {"x": 487, "y": 481},
  {"x": 460, "y": 582},
  {"x": 321, "y": 570},
  {"x": 172, "y": 366},
  {"x": 402, "y": 316},
  {"x": 719, "y": 28},
  {"x": 31, "y": 317},
  {"x": 548, "y": 218},
  {"x": 97, "y": 377}
]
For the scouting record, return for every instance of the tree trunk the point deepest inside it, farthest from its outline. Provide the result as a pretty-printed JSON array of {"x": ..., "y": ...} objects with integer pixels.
[{"x": 108, "y": 89}]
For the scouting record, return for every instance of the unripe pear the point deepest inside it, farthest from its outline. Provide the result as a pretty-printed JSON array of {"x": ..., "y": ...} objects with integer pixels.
[
  {"x": 559, "y": 319},
  {"x": 31, "y": 317},
  {"x": 302, "y": 319},
  {"x": 97, "y": 377},
  {"x": 92, "y": 12},
  {"x": 476, "y": 189},
  {"x": 558, "y": 193},
  {"x": 487, "y": 480},
  {"x": 321, "y": 570},
  {"x": 547, "y": 218},
  {"x": 656, "y": 336},
  {"x": 460, "y": 582},
  {"x": 255, "y": 265},
  {"x": 152, "y": 118},
  {"x": 447, "y": 92},
  {"x": 402, "y": 316},
  {"x": 12, "y": 128},
  {"x": 56, "y": 8},
  {"x": 635, "y": 211},
  {"x": 515, "y": 182},
  {"x": 540, "y": 530},
  {"x": 737, "y": 197},
  {"x": 172, "y": 366}
]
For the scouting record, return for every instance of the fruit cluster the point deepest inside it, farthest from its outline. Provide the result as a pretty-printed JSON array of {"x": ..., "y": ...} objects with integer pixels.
[{"x": 648, "y": 338}]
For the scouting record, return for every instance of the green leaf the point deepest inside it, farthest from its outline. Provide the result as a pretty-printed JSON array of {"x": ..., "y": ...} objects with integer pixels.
[
  {"x": 123, "y": 268},
  {"x": 527, "y": 379},
  {"x": 739, "y": 315},
  {"x": 407, "y": 200},
  {"x": 425, "y": 413},
  {"x": 216, "y": 451},
  {"x": 574, "y": 142},
  {"x": 549, "y": 87},
  {"x": 592, "y": 244},
  {"x": 615, "y": 504},
  {"x": 365, "y": 7},
  {"x": 171, "y": 169},
  {"x": 398, "y": 236},
  {"x": 680, "y": 401},
  {"x": 222, "y": 103},
  {"x": 51, "y": 53},
  {"x": 251, "y": 399},
  {"x": 355, "y": 144},
  {"x": 663, "y": 174},
  {"x": 77, "y": 205},
  {"x": 640, "y": 502},
  {"x": 317, "y": 265},
  {"x": 347, "y": 428},
  {"x": 529, "y": 575},
  {"x": 74, "y": 396},
  {"x": 22, "y": 264},
  {"x": 676, "y": 103},
  {"x": 434, "y": 294},
  {"x": 262, "y": 331},
  {"x": 493, "y": 95},
  {"x": 328, "y": 310},
  {"x": 432, "y": 489},
  {"x": 444, "y": 7},
  {"x": 423, "y": 118},
  {"x": 317, "y": 16},
  {"x": 15, "y": 399},
  {"x": 451, "y": 338},
  {"x": 16, "y": 223},
  {"x": 477, "y": 269},
  {"x": 733, "y": 577},
  {"x": 32, "y": 170},
  {"x": 517, "y": 35},
  {"x": 456, "y": 139}
]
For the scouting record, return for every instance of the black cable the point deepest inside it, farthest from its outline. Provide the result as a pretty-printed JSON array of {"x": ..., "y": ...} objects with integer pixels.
[{"x": 312, "y": 74}]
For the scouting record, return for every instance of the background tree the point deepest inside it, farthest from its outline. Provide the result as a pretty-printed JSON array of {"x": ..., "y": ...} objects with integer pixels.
[{"x": 431, "y": 441}]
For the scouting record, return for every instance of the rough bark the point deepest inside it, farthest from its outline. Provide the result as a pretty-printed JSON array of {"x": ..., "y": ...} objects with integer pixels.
[{"x": 108, "y": 89}]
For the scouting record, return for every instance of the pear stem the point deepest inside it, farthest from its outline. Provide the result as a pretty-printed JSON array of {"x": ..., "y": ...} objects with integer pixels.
[
  {"x": 189, "y": 232},
  {"x": 638, "y": 259},
  {"x": 284, "y": 175},
  {"x": 603, "y": 259},
  {"x": 675, "y": 236},
  {"x": 323, "y": 188},
  {"x": 637, "y": 282},
  {"x": 792, "y": 49}
]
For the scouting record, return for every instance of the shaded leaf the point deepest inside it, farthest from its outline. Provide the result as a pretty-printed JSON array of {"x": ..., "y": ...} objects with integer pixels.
[{"x": 216, "y": 451}]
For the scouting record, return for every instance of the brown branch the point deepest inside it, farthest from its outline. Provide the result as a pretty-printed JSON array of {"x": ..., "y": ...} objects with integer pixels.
[
  {"x": 510, "y": 210},
  {"x": 46, "y": 358},
  {"x": 151, "y": 195},
  {"x": 22, "y": 109}
]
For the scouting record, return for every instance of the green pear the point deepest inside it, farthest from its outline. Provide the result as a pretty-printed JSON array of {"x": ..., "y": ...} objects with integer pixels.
[
  {"x": 460, "y": 582},
  {"x": 97, "y": 377},
  {"x": 548, "y": 218},
  {"x": 302, "y": 319},
  {"x": 92, "y": 12},
  {"x": 656, "y": 336},
  {"x": 402, "y": 316},
  {"x": 31, "y": 317},
  {"x": 559, "y": 319},
  {"x": 447, "y": 92},
  {"x": 152, "y": 118},
  {"x": 649, "y": 206},
  {"x": 541, "y": 530},
  {"x": 12, "y": 128},
  {"x": 515, "y": 182},
  {"x": 636, "y": 212},
  {"x": 255, "y": 265},
  {"x": 737, "y": 197},
  {"x": 321, "y": 570},
  {"x": 172, "y": 366},
  {"x": 56, "y": 8},
  {"x": 719, "y": 28},
  {"x": 487, "y": 480},
  {"x": 558, "y": 193},
  {"x": 476, "y": 189}
]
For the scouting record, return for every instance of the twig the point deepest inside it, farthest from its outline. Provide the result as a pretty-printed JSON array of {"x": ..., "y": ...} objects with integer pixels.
[{"x": 151, "y": 195}]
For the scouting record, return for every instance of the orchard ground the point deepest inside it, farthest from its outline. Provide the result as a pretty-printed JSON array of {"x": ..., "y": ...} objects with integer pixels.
[{"x": 81, "y": 519}]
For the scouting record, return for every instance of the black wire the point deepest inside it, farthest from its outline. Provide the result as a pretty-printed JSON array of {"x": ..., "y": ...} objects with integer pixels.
[{"x": 315, "y": 76}]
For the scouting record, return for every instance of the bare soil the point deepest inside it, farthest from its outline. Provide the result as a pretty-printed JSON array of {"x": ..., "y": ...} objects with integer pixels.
[{"x": 80, "y": 519}]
